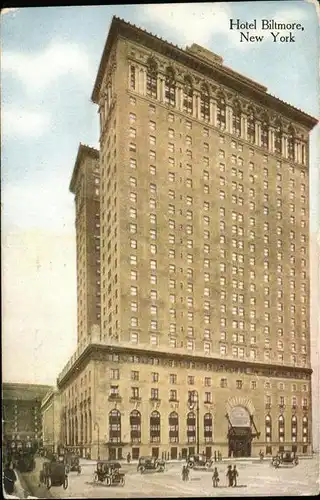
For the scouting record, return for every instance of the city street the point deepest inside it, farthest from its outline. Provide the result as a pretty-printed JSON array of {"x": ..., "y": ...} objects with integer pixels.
[{"x": 255, "y": 479}]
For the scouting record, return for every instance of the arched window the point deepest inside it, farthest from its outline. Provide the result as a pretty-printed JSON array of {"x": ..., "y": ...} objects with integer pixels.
[
  {"x": 251, "y": 126},
  {"x": 304, "y": 429},
  {"x": 85, "y": 428},
  {"x": 204, "y": 103},
  {"x": 236, "y": 119},
  {"x": 278, "y": 138},
  {"x": 135, "y": 426},
  {"x": 76, "y": 431},
  {"x": 155, "y": 427},
  {"x": 173, "y": 427},
  {"x": 207, "y": 425},
  {"x": 170, "y": 88},
  {"x": 90, "y": 427},
  {"x": 294, "y": 425},
  {"x": 81, "y": 429},
  {"x": 221, "y": 111},
  {"x": 115, "y": 426},
  {"x": 152, "y": 76},
  {"x": 265, "y": 132},
  {"x": 70, "y": 431},
  {"x": 291, "y": 144},
  {"x": 191, "y": 427},
  {"x": 132, "y": 77},
  {"x": 188, "y": 96},
  {"x": 281, "y": 428},
  {"x": 268, "y": 425}
]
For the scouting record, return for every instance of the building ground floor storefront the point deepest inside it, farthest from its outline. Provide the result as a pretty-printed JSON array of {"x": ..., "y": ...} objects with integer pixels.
[
  {"x": 116, "y": 402},
  {"x": 216, "y": 451}
]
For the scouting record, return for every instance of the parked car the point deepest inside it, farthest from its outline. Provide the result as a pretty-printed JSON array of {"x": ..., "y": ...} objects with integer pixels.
[
  {"x": 150, "y": 464},
  {"x": 108, "y": 471},
  {"x": 285, "y": 458},
  {"x": 72, "y": 462},
  {"x": 199, "y": 461},
  {"x": 54, "y": 474}
]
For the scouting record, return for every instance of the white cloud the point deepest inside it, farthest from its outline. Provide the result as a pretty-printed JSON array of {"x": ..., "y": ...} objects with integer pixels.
[
  {"x": 10, "y": 10},
  {"x": 20, "y": 122},
  {"x": 190, "y": 22},
  {"x": 37, "y": 70},
  {"x": 199, "y": 23}
]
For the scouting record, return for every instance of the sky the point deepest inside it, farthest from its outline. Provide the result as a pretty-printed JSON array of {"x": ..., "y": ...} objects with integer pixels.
[{"x": 50, "y": 58}]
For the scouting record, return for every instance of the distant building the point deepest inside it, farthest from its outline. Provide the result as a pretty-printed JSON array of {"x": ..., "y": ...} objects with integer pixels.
[
  {"x": 21, "y": 411},
  {"x": 51, "y": 421},
  {"x": 204, "y": 262}
]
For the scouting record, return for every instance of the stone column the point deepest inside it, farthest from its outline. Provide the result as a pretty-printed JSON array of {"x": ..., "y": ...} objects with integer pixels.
[
  {"x": 229, "y": 119},
  {"x": 163, "y": 89},
  {"x": 143, "y": 72},
  {"x": 270, "y": 140},
  {"x": 245, "y": 127},
  {"x": 159, "y": 88},
  {"x": 256, "y": 133},
  {"x": 259, "y": 134},
  {"x": 181, "y": 98},
  {"x": 211, "y": 121},
  {"x": 214, "y": 112},
  {"x": 198, "y": 106},
  {"x": 284, "y": 146},
  {"x": 296, "y": 151},
  {"x": 195, "y": 106},
  {"x": 129, "y": 76}
]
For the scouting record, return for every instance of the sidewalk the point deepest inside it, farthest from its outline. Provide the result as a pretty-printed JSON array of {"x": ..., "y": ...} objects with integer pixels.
[{"x": 85, "y": 462}]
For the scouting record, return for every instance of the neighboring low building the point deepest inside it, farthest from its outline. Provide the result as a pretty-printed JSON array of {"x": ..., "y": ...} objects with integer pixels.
[
  {"x": 51, "y": 421},
  {"x": 21, "y": 412}
]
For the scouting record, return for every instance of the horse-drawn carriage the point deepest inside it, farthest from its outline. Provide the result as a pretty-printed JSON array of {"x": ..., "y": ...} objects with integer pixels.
[
  {"x": 54, "y": 474},
  {"x": 108, "y": 472},
  {"x": 285, "y": 458},
  {"x": 150, "y": 464}
]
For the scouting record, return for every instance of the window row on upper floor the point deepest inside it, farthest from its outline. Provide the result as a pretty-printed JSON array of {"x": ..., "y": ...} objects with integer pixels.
[{"x": 272, "y": 136}]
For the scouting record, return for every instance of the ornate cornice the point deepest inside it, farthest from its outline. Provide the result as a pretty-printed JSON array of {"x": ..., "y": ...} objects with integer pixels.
[
  {"x": 100, "y": 352},
  {"x": 216, "y": 71}
]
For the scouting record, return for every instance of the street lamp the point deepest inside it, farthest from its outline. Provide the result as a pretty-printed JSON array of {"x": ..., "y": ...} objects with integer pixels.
[
  {"x": 96, "y": 426},
  {"x": 194, "y": 399}
]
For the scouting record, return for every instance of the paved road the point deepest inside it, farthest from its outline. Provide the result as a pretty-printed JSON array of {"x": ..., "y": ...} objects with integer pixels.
[{"x": 255, "y": 479}]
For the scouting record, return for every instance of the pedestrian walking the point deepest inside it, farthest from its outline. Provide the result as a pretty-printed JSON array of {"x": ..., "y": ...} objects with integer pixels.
[
  {"x": 129, "y": 458},
  {"x": 215, "y": 478},
  {"x": 235, "y": 474},
  {"x": 9, "y": 478},
  {"x": 187, "y": 473},
  {"x": 183, "y": 473},
  {"x": 261, "y": 455},
  {"x": 230, "y": 475},
  {"x": 215, "y": 456}
]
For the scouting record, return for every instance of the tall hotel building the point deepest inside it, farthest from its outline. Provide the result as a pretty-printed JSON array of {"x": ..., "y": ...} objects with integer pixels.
[{"x": 203, "y": 342}]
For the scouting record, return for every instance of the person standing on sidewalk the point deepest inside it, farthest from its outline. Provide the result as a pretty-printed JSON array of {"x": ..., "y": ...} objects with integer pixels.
[
  {"x": 215, "y": 478},
  {"x": 235, "y": 474},
  {"x": 230, "y": 475},
  {"x": 9, "y": 478}
]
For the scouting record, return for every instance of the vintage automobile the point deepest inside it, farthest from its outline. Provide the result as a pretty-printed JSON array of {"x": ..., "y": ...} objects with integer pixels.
[
  {"x": 150, "y": 464},
  {"x": 54, "y": 474},
  {"x": 108, "y": 472},
  {"x": 72, "y": 463},
  {"x": 195, "y": 461},
  {"x": 285, "y": 458}
]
